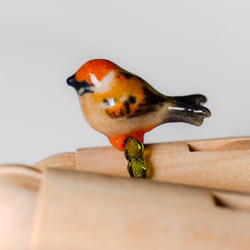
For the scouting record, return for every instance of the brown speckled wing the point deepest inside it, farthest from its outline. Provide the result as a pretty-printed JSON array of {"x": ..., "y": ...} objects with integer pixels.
[{"x": 135, "y": 104}]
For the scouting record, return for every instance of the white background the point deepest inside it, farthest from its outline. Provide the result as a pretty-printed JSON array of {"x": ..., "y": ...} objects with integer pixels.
[{"x": 180, "y": 47}]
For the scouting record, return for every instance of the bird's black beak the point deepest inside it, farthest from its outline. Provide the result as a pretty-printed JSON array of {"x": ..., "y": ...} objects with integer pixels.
[
  {"x": 71, "y": 81},
  {"x": 80, "y": 87}
]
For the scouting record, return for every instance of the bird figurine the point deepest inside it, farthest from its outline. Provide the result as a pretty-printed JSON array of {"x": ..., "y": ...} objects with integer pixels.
[{"x": 122, "y": 105}]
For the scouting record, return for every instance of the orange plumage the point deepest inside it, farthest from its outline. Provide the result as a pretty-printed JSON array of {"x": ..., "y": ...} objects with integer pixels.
[{"x": 121, "y": 105}]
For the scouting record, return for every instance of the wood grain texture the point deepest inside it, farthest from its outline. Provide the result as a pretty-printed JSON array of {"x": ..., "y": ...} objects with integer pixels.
[
  {"x": 218, "y": 164},
  {"x": 63, "y": 160},
  {"x": 86, "y": 211},
  {"x": 18, "y": 193}
]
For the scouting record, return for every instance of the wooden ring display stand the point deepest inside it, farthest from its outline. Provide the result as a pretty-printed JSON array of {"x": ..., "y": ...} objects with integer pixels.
[{"x": 197, "y": 196}]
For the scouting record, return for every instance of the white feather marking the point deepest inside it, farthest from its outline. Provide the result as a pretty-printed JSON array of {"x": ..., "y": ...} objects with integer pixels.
[
  {"x": 123, "y": 98},
  {"x": 112, "y": 102},
  {"x": 95, "y": 81},
  {"x": 81, "y": 91},
  {"x": 105, "y": 82}
]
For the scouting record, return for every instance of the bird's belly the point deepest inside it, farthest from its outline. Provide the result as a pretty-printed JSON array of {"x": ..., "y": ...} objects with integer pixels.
[
  {"x": 98, "y": 118},
  {"x": 100, "y": 121}
]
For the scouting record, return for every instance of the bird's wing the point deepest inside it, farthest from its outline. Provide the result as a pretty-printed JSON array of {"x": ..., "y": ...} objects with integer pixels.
[{"x": 136, "y": 103}]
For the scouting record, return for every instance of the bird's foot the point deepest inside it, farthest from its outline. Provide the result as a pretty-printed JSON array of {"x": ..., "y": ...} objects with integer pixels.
[{"x": 134, "y": 150}]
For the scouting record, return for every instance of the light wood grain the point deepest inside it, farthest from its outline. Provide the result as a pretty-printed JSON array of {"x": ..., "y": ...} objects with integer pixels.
[
  {"x": 18, "y": 192},
  {"x": 84, "y": 211},
  {"x": 218, "y": 164},
  {"x": 63, "y": 160}
]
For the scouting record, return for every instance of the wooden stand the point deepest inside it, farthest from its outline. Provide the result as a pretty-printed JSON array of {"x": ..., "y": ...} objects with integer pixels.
[
  {"x": 218, "y": 164},
  {"x": 53, "y": 206}
]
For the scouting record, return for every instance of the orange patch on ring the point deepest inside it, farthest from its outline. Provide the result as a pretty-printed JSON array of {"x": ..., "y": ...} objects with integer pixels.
[
  {"x": 119, "y": 140},
  {"x": 98, "y": 67}
]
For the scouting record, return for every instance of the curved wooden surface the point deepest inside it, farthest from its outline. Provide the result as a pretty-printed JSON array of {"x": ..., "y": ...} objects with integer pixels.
[
  {"x": 57, "y": 205},
  {"x": 18, "y": 194},
  {"x": 219, "y": 164}
]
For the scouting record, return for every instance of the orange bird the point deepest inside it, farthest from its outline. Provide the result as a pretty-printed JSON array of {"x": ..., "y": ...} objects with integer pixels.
[{"x": 121, "y": 105}]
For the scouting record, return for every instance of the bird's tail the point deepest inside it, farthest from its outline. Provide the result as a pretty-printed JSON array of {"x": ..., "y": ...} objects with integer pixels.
[{"x": 187, "y": 109}]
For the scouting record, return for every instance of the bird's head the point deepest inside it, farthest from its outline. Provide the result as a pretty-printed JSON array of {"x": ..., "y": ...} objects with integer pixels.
[{"x": 91, "y": 76}]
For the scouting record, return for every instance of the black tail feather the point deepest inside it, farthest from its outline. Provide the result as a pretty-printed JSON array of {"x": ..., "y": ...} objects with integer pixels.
[
  {"x": 188, "y": 109},
  {"x": 196, "y": 99}
]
